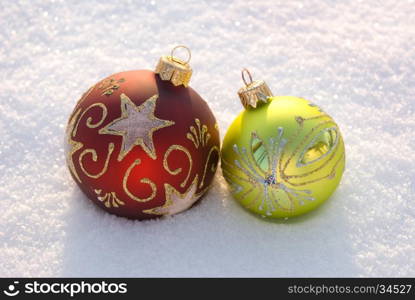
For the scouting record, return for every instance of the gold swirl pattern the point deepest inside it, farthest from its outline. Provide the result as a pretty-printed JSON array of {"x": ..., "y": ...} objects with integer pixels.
[
  {"x": 176, "y": 202},
  {"x": 95, "y": 158},
  {"x": 198, "y": 135},
  {"x": 83, "y": 97},
  {"x": 89, "y": 123},
  {"x": 330, "y": 154},
  {"x": 315, "y": 143},
  {"x": 109, "y": 199},
  {"x": 72, "y": 129},
  {"x": 109, "y": 85},
  {"x": 213, "y": 167},
  {"x": 264, "y": 166},
  {"x": 74, "y": 146},
  {"x": 178, "y": 170},
  {"x": 143, "y": 180}
]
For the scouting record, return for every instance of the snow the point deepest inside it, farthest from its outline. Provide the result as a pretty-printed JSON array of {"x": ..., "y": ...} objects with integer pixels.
[{"x": 356, "y": 59}]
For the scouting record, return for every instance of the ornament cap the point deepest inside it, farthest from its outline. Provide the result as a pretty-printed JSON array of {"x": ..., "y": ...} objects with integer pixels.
[
  {"x": 254, "y": 92},
  {"x": 173, "y": 69}
]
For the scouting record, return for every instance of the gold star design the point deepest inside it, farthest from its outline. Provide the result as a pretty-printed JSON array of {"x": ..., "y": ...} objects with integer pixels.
[
  {"x": 74, "y": 145},
  {"x": 136, "y": 126},
  {"x": 176, "y": 202}
]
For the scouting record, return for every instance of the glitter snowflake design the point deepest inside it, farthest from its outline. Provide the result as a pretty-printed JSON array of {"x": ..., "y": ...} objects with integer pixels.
[{"x": 260, "y": 167}]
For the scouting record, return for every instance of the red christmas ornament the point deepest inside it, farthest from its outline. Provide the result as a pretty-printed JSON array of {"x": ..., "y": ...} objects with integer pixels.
[{"x": 142, "y": 144}]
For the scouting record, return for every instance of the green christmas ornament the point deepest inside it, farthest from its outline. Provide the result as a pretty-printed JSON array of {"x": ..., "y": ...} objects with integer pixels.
[{"x": 282, "y": 156}]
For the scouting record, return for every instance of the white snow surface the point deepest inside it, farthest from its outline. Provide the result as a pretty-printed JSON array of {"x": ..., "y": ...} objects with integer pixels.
[{"x": 356, "y": 59}]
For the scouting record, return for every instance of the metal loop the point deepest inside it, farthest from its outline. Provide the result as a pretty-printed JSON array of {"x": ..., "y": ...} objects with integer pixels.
[
  {"x": 245, "y": 70},
  {"x": 188, "y": 52}
]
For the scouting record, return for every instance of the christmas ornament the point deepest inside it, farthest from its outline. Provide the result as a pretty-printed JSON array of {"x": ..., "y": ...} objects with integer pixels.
[
  {"x": 282, "y": 156},
  {"x": 143, "y": 144}
]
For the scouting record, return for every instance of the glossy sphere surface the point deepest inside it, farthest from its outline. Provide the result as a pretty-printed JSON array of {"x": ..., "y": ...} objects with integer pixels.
[
  {"x": 284, "y": 158},
  {"x": 140, "y": 147}
]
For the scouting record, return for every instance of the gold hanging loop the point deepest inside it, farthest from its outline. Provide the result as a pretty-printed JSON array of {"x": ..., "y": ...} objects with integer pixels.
[
  {"x": 189, "y": 53},
  {"x": 246, "y": 71},
  {"x": 253, "y": 93},
  {"x": 173, "y": 69}
]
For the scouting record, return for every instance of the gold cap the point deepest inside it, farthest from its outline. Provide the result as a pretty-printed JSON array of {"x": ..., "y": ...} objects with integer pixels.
[
  {"x": 253, "y": 91},
  {"x": 173, "y": 69}
]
